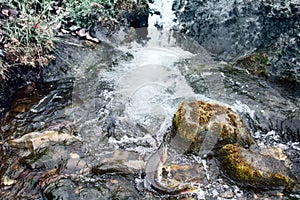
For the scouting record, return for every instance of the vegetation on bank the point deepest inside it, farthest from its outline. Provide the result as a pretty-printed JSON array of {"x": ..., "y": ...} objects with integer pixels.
[{"x": 29, "y": 28}]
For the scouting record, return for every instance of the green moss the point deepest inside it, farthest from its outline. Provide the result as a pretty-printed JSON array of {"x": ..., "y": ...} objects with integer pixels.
[
  {"x": 234, "y": 166},
  {"x": 177, "y": 117},
  {"x": 248, "y": 173}
]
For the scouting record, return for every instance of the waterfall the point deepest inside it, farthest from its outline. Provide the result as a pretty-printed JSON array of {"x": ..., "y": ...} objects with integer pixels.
[{"x": 166, "y": 16}]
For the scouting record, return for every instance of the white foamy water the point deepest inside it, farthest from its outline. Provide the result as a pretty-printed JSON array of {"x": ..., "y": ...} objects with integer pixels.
[
  {"x": 166, "y": 17},
  {"x": 150, "y": 86}
]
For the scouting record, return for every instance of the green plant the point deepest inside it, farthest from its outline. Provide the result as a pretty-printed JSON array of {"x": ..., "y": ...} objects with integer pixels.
[
  {"x": 27, "y": 27},
  {"x": 28, "y": 35},
  {"x": 84, "y": 12}
]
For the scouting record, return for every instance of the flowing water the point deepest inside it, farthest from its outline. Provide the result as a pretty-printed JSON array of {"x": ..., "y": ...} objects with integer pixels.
[{"x": 119, "y": 101}]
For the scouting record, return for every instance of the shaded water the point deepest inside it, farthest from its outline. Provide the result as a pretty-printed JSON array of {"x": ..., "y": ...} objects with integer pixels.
[{"x": 119, "y": 103}]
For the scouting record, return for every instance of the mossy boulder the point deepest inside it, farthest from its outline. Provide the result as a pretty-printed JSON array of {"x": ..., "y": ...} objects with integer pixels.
[
  {"x": 202, "y": 127},
  {"x": 255, "y": 170},
  {"x": 206, "y": 124}
]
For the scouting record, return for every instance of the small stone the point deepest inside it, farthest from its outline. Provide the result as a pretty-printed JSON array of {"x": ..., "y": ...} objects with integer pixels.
[
  {"x": 6, "y": 181},
  {"x": 74, "y": 155},
  {"x": 227, "y": 194},
  {"x": 38, "y": 140}
]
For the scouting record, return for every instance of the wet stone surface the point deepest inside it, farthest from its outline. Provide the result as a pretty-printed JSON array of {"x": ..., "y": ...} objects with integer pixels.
[
  {"x": 233, "y": 29},
  {"x": 265, "y": 169},
  {"x": 120, "y": 101},
  {"x": 209, "y": 126},
  {"x": 256, "y": 170}
]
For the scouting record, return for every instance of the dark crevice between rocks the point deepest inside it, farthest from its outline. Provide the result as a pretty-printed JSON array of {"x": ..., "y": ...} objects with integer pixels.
[{"x": 22, "y": 81}]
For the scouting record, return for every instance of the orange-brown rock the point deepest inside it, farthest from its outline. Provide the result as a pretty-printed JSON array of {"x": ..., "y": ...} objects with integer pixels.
[
  {"x": 256, "y": 170},
  {"x": 209, "y": 124}
]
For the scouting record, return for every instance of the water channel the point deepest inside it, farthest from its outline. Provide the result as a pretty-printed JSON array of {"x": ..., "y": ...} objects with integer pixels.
[{"x": 118, "y": 103}]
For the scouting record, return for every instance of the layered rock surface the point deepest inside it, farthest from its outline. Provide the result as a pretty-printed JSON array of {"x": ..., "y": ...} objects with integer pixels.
[{"x": 233, "y": 29}]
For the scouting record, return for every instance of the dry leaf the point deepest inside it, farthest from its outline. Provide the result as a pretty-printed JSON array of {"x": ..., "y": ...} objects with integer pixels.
[{"x": 64, "y": 31}]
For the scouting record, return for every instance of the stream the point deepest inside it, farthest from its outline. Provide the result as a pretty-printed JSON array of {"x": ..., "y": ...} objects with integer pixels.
[{"x": 118, "y": 101}]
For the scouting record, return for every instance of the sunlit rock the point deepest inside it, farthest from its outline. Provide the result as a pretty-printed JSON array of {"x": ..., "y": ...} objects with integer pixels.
[
  {"x": 6, "y": 181},
  {"x": 277, "y": 153},
  {"x": 256, "y": 170},
  {"x": 38, "y": 140},
  {"x": 209, "y": 125}
]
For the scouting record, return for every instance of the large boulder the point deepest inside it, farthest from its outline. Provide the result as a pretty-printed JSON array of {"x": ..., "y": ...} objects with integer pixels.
[
  {"x": 256, "y": 170},
  {"x": 202, "y": 128},
  {"x": 208, "y": 125}
]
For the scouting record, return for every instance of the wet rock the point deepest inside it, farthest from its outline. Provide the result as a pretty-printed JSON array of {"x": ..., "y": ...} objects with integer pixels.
[
  {"x": 36, "y": 140},
  {"x": 68, "y": 189},
  {"x": 231, "y": 29},
  {"x": 256, "y": 170},
  {"x": 276, "y": 153},
  {"x": 208, "y": 125},
  {"x": 23, "y": 102},
  {"x": 92, "y": 193},
  {"x": 6, "y": 181},
  {"x": 56, "y": 156},
  {"x": 111, "y": 167},
  {"x": 122, "y": 189},
  {"x": 59, "y": 189},
  {"x": 18, "y": 78},
  {"x": 255, "y": 63},
  {"x": 112, "y": 187}
]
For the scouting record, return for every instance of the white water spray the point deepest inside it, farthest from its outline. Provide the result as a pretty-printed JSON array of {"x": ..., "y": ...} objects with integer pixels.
[{"x": 166, "y": 17}]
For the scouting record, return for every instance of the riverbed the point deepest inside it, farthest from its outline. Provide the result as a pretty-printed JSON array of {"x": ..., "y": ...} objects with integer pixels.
[{"x": 117, "y": 101}]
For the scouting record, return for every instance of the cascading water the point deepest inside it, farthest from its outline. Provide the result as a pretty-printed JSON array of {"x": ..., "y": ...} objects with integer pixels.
[
  {"x": 121, "y": 104},
  {"x": 165, "y": 17}
]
